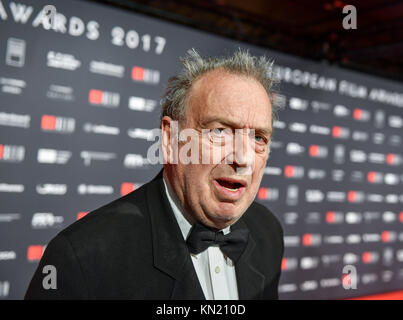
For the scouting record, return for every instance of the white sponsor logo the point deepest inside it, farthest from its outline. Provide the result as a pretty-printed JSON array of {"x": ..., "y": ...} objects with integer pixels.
[
  {"x": 350, "y": 258},
  {"x": 53, "y": 156},
  {"x": 60, "y": 92},
  {"x": 313, "y": 217},
  {"x": 392, "y": 198},
  {"x": 294, "y": 148},
  {"x": 358, "y": 156},
  {"x": 360, "y": 136},
  {"x": 309, "y": 262},
  {"x": 378, "y": 138},
  {"x": 107, "y": 69},
  {"x": 315, "y": 129},
  {"x": 388, "y": 217},
  {"x": 15, "y": 120},
  {"x": 9, "y": 217},
  {"x": 338, "y": 175},
  {"x": 290, "y": 217},
  {"x": 333, "y": 239},
  {"x": 135, "y": 161},
  {"x": 377, "y": 158},
  {"x": 142, "y": 104},
  {"x": 94, "y": 189},
  {"x": 12, "y": 153},
  {"x": 336, "y": 196},
  {"x": 379, "y": 118},
  {"x": 12, "y": 86},
  {"x": 297, "y": 127},
  {"x": 331, "y": 282},
  {"x": 341, "y": 111},
  {"x": 369, "y": 216},
  {"x": 274, "y": 171},
  {"x": 279, "y": 124},
  {"x": 287, "y": 287},
  {"x": 15, "y": 52},
  {"x": 7, "y": 255},
  {"x": 291, "y": 241},
  {"x": 298, "y": 104},
  {"x": 137, "y": 133},
  {"x": 62, "y": 61},
  {"x": 292, "y": 195},
  {"x": 100, "y": 129},
  {"x": 330, "y": 258},
  {"x": 6, "y": 187},
  {"x": 279, "y": 100},
  {"x": 312, "y": 195},
  {"x": 371, "y": 237},
  {"x": 357, "y": 176},
  {"x": 339, "y": 153},
  {"x": 320, "y": 106},
  {"x": 309, "y": 285},
  {"x": 395, "y": 122},
  {"x": 50, "y": 188},
  {"x": 4, "y": 287},
  {"x": 291, "y": 264},
  {"x": 369, "y": 278},
  {"x": 353, "y": 217},
  {"x": 89, "y": 156},
  {"x": 395, "y": 140},
  {"x": 46, "y": 219},
  {"x": 316, "y": 174},
  {"x": 387, "y": 275},
  {"x": 353, "y": 238},
  {"x": 374, "y": 197},
  {"x": 391, "y": 178}
]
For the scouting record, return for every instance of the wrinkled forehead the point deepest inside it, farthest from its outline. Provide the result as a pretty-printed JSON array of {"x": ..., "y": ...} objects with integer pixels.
[{"x": 238, "y": 99}]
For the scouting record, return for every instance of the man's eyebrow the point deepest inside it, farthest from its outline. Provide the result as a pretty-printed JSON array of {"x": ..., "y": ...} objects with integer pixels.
[{"x": 262, "y": 130}]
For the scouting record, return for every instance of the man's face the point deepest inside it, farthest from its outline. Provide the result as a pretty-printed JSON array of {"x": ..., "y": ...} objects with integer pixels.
[{"x": 223, "y": 105}]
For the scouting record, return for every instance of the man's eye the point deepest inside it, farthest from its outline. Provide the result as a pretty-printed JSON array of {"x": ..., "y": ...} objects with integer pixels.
[
  {"x": 260, "y": 139},
  {"x": 218, "y": 131}
]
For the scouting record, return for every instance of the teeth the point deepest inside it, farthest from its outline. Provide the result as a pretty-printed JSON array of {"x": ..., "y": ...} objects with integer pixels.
[{"x": 231, "y": 189}]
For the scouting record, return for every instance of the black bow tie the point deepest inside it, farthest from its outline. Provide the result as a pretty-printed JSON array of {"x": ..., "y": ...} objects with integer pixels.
[{"x": 231, "y": 244}]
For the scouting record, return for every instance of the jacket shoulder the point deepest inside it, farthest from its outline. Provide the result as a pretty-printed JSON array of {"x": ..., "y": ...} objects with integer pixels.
[{"x": 129, "y": 211}]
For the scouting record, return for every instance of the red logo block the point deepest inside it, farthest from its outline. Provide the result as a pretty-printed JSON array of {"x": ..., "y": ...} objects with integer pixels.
[
  {"x": 81, "y": 214},
  {"x": 138, "y": 73},
  {"x": 126, "y": 188},
  {"x": 95, "y": 96},
  {"x": 48, "y": 122},
  {"x": 35, "y": 252}
]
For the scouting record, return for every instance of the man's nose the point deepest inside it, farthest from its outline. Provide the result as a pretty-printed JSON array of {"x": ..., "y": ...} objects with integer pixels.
[{"x": 244, "y": 152}]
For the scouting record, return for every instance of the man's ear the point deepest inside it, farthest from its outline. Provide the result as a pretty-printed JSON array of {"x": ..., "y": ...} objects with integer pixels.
[{"x": 169, "y": 141}]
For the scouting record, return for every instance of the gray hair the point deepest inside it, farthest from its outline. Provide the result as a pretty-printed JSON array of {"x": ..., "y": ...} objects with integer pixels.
[{"x": 194, "y": 66}]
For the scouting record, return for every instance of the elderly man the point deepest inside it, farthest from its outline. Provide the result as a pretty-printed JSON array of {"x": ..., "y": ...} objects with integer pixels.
[{"x": 194, "y": 231}]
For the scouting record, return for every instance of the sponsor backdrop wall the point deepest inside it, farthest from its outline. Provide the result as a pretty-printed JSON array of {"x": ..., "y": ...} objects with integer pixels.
[{"x": 78, "y": 102}]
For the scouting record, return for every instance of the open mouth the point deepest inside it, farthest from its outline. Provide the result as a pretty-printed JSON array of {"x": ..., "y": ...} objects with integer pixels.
[{"x": 230, "y": 185}]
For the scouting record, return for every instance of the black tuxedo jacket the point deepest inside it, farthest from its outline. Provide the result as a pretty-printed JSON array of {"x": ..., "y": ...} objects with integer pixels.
[{"x": 133, "y": 248}]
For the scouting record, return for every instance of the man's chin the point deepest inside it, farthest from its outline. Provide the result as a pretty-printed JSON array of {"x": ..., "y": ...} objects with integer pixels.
[{"x": 227, "y": 213}]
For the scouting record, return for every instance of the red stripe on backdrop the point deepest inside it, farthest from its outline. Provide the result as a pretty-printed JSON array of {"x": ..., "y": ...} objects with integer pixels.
[{"x": 396, "y": 295}]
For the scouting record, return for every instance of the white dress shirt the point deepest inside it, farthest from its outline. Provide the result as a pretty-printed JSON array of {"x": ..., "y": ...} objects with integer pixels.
[{"x": 215, "y": 271}]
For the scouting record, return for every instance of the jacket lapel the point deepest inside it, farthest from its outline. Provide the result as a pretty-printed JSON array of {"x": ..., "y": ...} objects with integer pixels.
[
  {"x": 250, "y": 281},
  {"x": 170, "y": 252}
]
